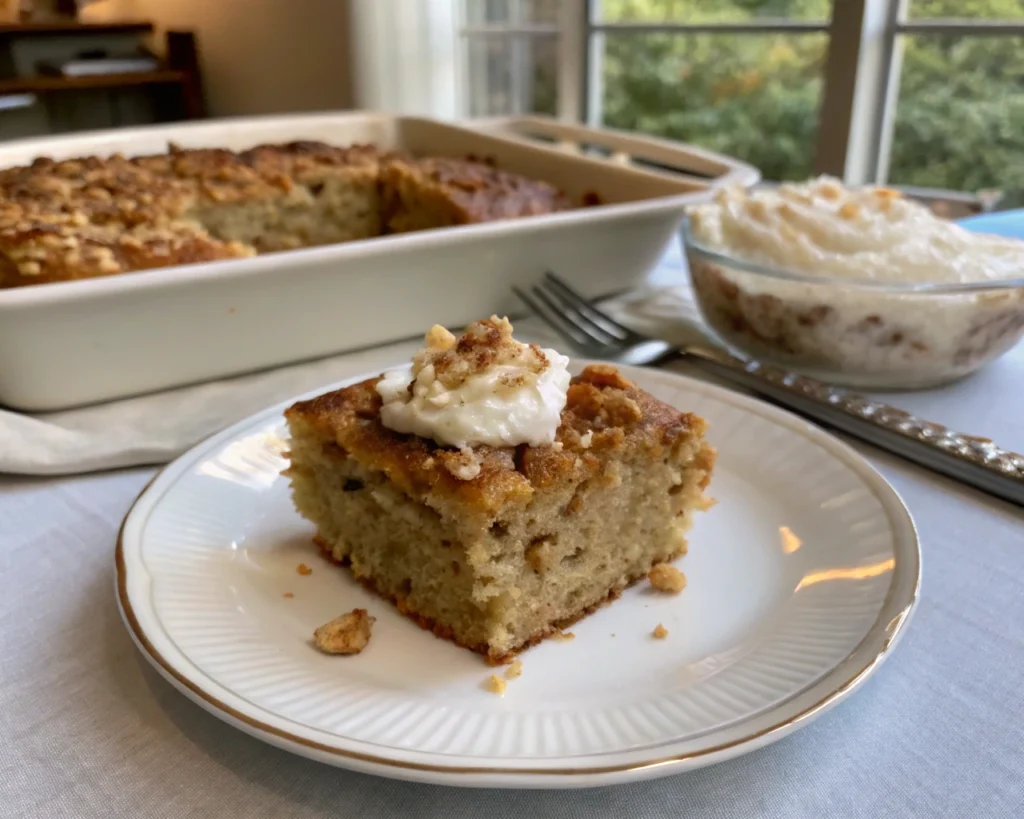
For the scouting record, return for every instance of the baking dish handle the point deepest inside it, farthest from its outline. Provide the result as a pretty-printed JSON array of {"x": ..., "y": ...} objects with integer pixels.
[{"x": 624, "y": 147}]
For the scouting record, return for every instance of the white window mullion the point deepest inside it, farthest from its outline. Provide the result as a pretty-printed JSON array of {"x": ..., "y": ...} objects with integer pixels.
[
  {"x": 594, "y": 73},
  {"x": 861, "y": 77},
  {"x": 572, "y": 59},
  {"x": 520, "y": 69},
  {"x": 887, "y": 116},
  {"x": 595, "y": 80}
]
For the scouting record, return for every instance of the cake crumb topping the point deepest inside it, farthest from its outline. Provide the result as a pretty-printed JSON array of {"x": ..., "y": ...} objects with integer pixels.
[
  {"x": 667, "y": 578},
  {"x": 347, "y": 634},
  {"x": 485, "y": 344},
  {"x": 482, "y": 389}
]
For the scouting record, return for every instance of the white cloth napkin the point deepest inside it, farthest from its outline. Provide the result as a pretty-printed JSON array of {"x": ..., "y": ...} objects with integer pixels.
[{"x": 156, "y": 428}]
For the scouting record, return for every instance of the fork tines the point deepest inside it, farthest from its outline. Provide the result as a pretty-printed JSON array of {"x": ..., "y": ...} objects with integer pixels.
[{"x": 571, "y": 315}]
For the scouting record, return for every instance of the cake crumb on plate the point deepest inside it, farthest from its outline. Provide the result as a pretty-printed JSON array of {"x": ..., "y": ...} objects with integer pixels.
[
  {"x": 347, "y": 634},
  {"x": 288, "y": 595},
  {"x": 660, "y": 632},
  {"x": 667, "y": 578},
  {"x": 496, "y": 685},
  {"x": 303, "y": 569},
  {"x": 514, "y": 670}
]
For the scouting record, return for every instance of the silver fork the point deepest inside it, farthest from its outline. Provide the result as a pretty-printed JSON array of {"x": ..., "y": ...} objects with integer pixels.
[{"x": 966, "y": 458}]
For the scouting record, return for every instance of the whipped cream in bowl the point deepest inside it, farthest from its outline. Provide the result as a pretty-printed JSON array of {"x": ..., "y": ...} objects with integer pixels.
[
  {"x": 484, "y": 388},
  {"x": 854, "y": 286}
]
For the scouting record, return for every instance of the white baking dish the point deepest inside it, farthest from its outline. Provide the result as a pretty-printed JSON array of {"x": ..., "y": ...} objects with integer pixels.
[{"x": 74, "y": 343}]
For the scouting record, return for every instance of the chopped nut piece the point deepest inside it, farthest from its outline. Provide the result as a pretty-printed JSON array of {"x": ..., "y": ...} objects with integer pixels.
[
  {"x": 850, "y": 210},
  {"x": 667, "y": 578},
  {"x": 347, "y": 634},
  {"x": 496, "y": 685},
  {"x": 514, "y": 671},
  {"x": 660, "y": 632},
  {"x": 440, "y": 338},
  {"x": 464, "y": 464},
  {"x": 830, "y": 190},
  {"x": 303, "y": 569}
]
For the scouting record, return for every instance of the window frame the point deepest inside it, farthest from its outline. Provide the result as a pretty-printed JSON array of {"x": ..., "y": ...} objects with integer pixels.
[{"x": 860, "y": 93}]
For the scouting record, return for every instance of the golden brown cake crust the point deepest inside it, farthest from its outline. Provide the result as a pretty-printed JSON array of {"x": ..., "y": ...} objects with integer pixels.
[
  {"x": 91, "y": 216},
  {"x": 604, "y": 414}
]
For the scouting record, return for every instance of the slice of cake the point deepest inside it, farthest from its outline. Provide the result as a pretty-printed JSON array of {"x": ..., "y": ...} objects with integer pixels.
[
  {"x": 435, "y": 192},
  {"x": 488, "y": 497}
]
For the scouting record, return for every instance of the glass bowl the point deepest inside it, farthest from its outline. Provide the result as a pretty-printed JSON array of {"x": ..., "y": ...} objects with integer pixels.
[{"x": 860, "y": 333}]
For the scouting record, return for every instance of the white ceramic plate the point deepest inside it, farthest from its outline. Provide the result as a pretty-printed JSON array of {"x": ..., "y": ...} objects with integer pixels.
[{"x": 801, "y": 580}]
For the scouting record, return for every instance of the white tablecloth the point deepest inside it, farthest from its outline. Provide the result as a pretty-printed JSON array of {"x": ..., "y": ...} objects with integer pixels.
[{"x": 87, "y": 729}]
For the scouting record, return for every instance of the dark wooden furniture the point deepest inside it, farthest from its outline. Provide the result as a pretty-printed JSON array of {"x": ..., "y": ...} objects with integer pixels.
[{"x": 173, "y": 92}]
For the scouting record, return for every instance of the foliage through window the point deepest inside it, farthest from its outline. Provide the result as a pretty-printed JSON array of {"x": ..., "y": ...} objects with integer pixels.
[
  {"x": 757, "y": 95},
  {"x": 960, "y": 110},
  {"x": 702, "y": 11}
]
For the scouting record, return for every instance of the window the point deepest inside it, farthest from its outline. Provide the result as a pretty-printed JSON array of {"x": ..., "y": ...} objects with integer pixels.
[
  {"x": 512, "y": 75},
  {"x": 726, "y": 92},
  {"x": 959, "y": 119},
  {"x": 511, "y": 56},
  {"x": 926, "y": 93}
]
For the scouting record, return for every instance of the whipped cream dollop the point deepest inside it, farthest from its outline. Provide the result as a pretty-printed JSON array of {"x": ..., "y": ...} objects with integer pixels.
[
  {"x": 484, "y": 388},
  {"x": 822, "y": 228}
]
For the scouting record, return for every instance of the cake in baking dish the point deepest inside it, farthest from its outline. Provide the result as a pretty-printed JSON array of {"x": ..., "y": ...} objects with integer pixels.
[
  {"x": 490, "y": 497},
  {"x": 88, "y": 217}
]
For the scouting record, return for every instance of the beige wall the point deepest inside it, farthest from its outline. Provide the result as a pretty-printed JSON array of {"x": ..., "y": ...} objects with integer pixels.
[{"x": 258, "y": 56}]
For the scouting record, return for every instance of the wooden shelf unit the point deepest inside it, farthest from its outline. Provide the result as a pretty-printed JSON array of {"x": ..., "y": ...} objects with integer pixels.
[
  {"x": 46, "y": 83},
  {"x": 57, "y": 28},
  {"x": 175, "y": 88}
]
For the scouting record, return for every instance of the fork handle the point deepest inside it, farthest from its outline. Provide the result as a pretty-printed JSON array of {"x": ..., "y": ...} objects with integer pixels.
[{"x": 967, "y": 458}]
